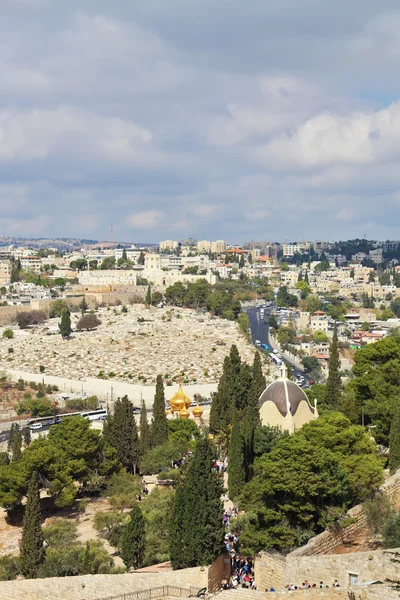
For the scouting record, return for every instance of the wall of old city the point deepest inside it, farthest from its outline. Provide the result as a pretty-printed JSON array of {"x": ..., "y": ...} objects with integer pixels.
[{"x": 92, "y": 587}]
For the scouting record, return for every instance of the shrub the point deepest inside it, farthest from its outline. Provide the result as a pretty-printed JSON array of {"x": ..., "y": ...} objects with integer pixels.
[
  {"x": 56, "y": 308},
  {"x": 31, "y": 317},
  {"x": 378, "y": 512},
  {"x": 8, "y": 334},
  {"x": 161, "y": 457},
  {"x": 60, "y": 533},
  {"x": 391, "y": 532},
  {"x": 9, "y": 567},
  {"x": 89, "y": 321}
]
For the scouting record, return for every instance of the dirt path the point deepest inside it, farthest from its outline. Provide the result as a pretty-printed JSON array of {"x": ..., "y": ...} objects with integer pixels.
[{"x": 87, "y": 532}]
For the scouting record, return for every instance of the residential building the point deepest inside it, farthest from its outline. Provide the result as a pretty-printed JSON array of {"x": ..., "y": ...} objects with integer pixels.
[
  {"x": 31, "y": 263},
  {"x": 218, "y": 247},
  {"x": 5, "y": 272},
  {"x": 133, "y": 253},
  {"x": 376, "y": 256},
  {"x": 168, "y": 245}
]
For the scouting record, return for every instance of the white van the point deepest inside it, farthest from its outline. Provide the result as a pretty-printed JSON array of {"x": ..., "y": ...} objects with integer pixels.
[
  {"x": 35, "y": 426},
  {"x": 258, "y": 343}
]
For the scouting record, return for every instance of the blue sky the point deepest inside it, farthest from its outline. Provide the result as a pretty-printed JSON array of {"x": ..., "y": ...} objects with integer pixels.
[{"x": 234, "y": 120}]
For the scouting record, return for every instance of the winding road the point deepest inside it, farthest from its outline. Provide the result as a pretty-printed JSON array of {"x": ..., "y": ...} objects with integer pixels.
[{"x": 259, "y": 331}]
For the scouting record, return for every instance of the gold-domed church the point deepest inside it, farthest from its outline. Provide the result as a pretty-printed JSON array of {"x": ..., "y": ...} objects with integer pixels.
[{"x": 180, "y": 404}]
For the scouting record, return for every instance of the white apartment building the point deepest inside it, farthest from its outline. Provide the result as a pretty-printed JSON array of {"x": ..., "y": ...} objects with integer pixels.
[
  {"x": 376, "y": 256},
  {"x": 168, "y": 245},
  {"x": 218, "y": 247},
  {"x": 296, "y": 248},
  {"x": 132, "y": 254},
  {"x": 204, "y": 246},
  {"x": 31, "y": 263}
]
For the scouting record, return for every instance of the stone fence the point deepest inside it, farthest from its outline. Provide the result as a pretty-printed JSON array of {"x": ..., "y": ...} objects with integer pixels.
[{"x": 95, "y": 587}]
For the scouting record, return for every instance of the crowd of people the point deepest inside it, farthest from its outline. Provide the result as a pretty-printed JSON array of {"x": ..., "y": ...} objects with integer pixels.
[{"x": 306, "y": 586}]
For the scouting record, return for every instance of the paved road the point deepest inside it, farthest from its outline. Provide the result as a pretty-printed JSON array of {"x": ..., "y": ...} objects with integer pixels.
[{"x": 259, "y": 331}]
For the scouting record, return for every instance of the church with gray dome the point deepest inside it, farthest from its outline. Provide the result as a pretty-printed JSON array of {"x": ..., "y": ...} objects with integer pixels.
[{"x": 284, "y": 404}]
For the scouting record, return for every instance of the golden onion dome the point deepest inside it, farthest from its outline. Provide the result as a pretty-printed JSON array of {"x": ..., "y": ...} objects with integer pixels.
[
  {"x": 197, "y": 411},
  {"x": 179, "y": 400},
  {"x": 184, "y": 413}
]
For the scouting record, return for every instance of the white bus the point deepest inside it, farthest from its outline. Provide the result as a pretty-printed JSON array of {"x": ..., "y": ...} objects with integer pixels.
[{"x": 275, "y": 359}]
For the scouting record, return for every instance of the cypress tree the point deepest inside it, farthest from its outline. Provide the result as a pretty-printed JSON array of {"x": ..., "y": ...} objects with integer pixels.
[
  {"x": 394, "y": 442},
  {"x": 177, "y": 550},
  {"x": 333, "y": 383},
  {"x": 236, "y": 364},
  {"x": 148, "y": 296},
  {"x": 65, "y": 324},
  {"x": 17, "y": 446},
  {"x": 133, "y": 539},
  {"x": 306, "y": 277},
  {"x": 27, "y": 436},
  {"x": 124, "y": 255},
  {"x": 252, "y": 414},
  {"x": 120, "y": 431},
  {"x": 32, "y": 552},
  {"x": 196, "y": 527},
  {"x": 221, "y": 407},
  {"x": 236, "y": 467},
  {"x": 159, "y": 426},
  {"x": 145, "y": 440},
  {"x": 300, "y": 277},
  {"x": 13, "y": 430},
  {"x": 243, "y": 387}
]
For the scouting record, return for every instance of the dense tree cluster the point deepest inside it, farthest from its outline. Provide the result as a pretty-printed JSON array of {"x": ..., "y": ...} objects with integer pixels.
[
  {"x": 196, "y": 531},
  {"x": 307, "y": 481}
]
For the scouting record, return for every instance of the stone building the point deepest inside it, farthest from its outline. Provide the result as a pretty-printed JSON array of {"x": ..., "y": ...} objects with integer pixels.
[{"x": 284, "y": 404}]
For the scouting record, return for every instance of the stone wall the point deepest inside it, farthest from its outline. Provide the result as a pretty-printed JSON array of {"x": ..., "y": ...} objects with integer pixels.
[
  {"x": 366, "y": 566},
  {"x": 93, "y": 587},
  {"x": 369, "y": 593},
  {"x": 270, "y": 570}
]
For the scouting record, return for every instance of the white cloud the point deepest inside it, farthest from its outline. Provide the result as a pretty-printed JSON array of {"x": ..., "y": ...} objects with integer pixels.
[{"x": 147, "y": 219}]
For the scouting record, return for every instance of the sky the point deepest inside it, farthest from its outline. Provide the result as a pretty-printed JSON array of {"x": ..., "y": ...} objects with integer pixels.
[{"x": 229, "y": 120}]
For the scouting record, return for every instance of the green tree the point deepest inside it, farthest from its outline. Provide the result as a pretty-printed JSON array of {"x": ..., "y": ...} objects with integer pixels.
[
  {"x": 145, "y": 437},
  {"x": 391, "y": 532},
  {"x": 283, "y": 297},
  {"x": 307, "y": 481},
  {"x": 159, "y": 426},
  {"x": 236, "y": 456},
  {"x": 83, "y": 306},
  {"x": 8, "y": 334},
  {"x": 133, "y": 539},
  {"x": 17, "y": 446},
  {"x": 251, "y": 419},
  {"x": 156, "y": 509},
  {"x": 148, "y": 296},
  {"x": 124, "y": 255},
  {"x": 120, "y": 431},
  {"x": 196, "y": 536},
  {"x": 334, "y": 382},
  {"x": 221, "y": 407},
  {"x": 394, "y": 442},
  {"x": 65, "y": 324},
  {"x": 32, "y": 552}
]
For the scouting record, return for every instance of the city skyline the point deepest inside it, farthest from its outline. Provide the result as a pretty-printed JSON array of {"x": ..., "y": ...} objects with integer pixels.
[{"x": 219, "y": 121}]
